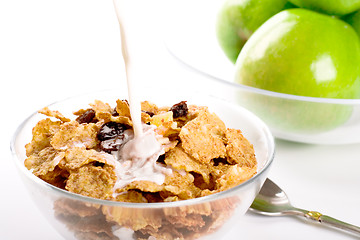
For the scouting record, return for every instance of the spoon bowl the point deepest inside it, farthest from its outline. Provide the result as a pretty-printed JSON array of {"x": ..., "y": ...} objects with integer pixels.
[{"x": 273, "y": 201}]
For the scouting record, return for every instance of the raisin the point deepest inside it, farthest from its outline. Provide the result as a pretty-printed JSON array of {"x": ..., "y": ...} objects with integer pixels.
[
  {"x": 218, "y": 161},
  {"x": 86, "y": 117},
  {"x": 149, "y": 113},
  {"x": 180, "y": 109},
  {"x": 114, "y": 113},
  {"x": 98, "y": 164},
  {"x": 113, "y": 144},
  {"x": 161, "y": 159},
  {"x": 110, "y": 130}
]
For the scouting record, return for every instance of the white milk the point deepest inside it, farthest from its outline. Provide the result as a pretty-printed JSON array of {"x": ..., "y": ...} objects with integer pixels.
[{"x": 137, "y": 158}]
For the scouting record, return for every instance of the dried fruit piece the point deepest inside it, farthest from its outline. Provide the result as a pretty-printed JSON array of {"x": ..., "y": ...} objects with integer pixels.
[
  {"x": 111, "y": 130},
  {"x": 180, "y": 109},
  {"x": 112, "y": 136},
  {"x": 86, "y": 117}
]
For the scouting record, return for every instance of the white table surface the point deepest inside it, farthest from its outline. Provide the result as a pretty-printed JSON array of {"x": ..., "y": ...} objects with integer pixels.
[{"x": 51, "y": 50}]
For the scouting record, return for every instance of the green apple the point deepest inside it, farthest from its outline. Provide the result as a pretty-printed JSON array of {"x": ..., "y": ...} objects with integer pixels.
[
  {"x": 301, "y": 52},
  {"x": 238, "y": 19},
  {"x": 289, "y": 5},
  {"x": 332, "y": 7},
  {"x": 354, "y": 20},
  {"x": 304, "y": 53}
]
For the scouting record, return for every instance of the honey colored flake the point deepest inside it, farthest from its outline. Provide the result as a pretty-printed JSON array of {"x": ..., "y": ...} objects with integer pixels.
[
  {"x": 57, "y": 177},
  {"x": 52, "y": 113},
  {"x": 68, "y": 207},
  {"x": 182, "y": 211},
  {"x": 168, "y": 129},
  {"x": 45, "y": 165},
  {"x": 104, "y": 113},
  {"x": 107, "y": 117},
  {"x": 99, "y": 106},
  {"x": 162, "y": 118},
  {"x": 134, "y": 218},
  {"x": 194, "y": 110},
  {"x": 43, "y": 162},
  {"x": 93, "y": 227},
  {"x": 239, "y": 149},
  {"x": 233, "y": 175},
  {"x": 180, "y": 160},
  {"x": 181, "y": 185},
  {"x": 80, "y": 112},
  {"x": 149, "y": 107},
  {"x": 171, "y": 199},
  {"x": 92, "y": 181},
  {"x": 203, "y": 137},
  {"x": 191, "y": 114},
  {"x": 193, "y": 222},
  {"x": 144, "y": 186},
  {"x": 166, "y": 232},
  {"x": 41, "y": 135},
  {"x": 165, "y": 124},
  {"x": 94, "y": 235},
  {"x": 73, "y": 134},
  {"x": 122, "y": 108},
  {"x": 77, "y": 157},
  {"x": 167, "y": 144},
  {"x": 145, "y": 117},
  {"x": 85, "y": 220},
  {"x": 131, "y": 196}
]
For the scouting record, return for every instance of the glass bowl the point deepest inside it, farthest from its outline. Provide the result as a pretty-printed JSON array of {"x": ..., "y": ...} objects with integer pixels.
[
  {"x": 193, "y": 42},
  {"x": 211, "y": 217}
]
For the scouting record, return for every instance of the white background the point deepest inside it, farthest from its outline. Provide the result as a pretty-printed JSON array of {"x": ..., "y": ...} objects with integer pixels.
[{"x": 51, "y": 49}]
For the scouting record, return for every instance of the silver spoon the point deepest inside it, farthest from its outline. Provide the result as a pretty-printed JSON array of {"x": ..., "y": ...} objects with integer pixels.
[{"x": 272, "y": 201}]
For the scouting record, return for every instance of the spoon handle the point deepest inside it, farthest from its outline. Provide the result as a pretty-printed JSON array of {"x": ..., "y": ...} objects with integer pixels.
[{"x": 329, "y": 221}]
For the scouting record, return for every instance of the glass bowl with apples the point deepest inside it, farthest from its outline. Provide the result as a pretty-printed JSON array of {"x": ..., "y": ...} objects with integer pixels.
[{"x": 293, "y": 63}]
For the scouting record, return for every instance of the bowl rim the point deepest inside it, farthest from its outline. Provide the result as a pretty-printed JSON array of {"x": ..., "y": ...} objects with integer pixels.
[
  {"x": 270, "y": 142},
  {"x": 341, "y": 101}
]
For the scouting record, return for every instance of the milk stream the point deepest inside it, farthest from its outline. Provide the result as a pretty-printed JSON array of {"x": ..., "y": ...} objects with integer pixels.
[
  {"x": 137, "y": 158},
  {"x": 135, "y": 105}
]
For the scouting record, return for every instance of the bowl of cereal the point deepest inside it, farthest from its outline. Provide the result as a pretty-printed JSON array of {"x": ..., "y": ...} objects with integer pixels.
[{"x": 76, "y": 159}]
